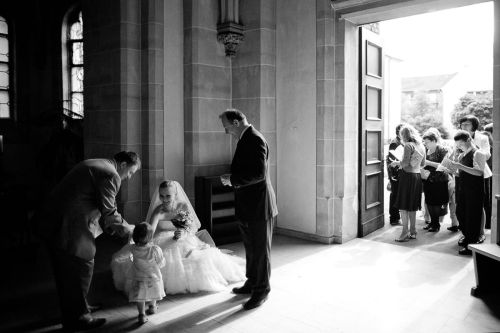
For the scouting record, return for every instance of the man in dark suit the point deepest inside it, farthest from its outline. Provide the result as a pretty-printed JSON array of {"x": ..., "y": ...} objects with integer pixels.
[
  {"x": 255, "y": 203},
  {"x": 79, "y": 208}
]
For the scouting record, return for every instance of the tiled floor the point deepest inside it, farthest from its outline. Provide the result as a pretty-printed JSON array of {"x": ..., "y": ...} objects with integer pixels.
[{"x": 365, "y": 285}]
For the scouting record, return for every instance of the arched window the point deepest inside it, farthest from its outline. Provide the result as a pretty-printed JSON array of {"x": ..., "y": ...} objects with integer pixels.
[
  {"x": 73, "y": 64},
  {"x": 5, "y": 87}
]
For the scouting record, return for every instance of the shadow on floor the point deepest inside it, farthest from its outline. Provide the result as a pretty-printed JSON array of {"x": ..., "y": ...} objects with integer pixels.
[{"x": 443, "y": 241}]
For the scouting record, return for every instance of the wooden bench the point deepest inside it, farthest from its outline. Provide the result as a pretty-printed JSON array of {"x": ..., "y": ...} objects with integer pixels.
[
  {"x": 486, "y": 266},
  {"x": 215, "y": 209}
]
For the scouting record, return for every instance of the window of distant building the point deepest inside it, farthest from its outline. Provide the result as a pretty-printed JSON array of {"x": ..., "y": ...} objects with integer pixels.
[
  {"x": 478, "y": 93},
  {"x": 73, "y": 64},
  {"x": 5, "y": 71}
]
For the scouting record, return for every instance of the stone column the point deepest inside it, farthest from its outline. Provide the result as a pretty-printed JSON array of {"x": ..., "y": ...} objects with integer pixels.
[
  {"x": 495, "y": 237},
  {"x": 123, "y": 43},
  {"x": 207, "y": 93},
  {"x": 254, "y": 72},
  {"x": 326, "y": 135},
  {"x": 152, "y": 97},
  {"x": 345, "y": 172},
  {"x": 112, "y": 88}
]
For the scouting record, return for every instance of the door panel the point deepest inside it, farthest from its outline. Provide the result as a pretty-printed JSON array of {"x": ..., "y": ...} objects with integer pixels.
[
  {"x": 371, "y": 126},
  {"x": 373, "y": 149}
]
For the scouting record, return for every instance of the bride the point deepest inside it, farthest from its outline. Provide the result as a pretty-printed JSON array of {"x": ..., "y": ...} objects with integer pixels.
[{"x": 192, "y": 265}]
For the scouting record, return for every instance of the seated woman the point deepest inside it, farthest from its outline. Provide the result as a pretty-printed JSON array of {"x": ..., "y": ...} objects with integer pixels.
[
  {"x": 192, "y": 265},
  {"x": 436, "y": 182}
]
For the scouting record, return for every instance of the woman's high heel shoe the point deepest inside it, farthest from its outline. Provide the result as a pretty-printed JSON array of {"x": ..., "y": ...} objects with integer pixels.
[
  {"x": 404, "y": 238},
  {"x": 412, "y": 236}
]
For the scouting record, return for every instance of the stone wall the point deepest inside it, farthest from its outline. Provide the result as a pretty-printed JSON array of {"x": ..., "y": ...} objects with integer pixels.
[
  {"x": 296, "y": 101},
  {"x": 253, "y": 78},
  {"x": 124, "y": 91},
  {"x": 207, "y": 93}
]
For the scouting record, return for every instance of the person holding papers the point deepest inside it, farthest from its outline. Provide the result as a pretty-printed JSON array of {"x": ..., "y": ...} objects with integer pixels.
[
  {"x": 470, "y": 196},
  {"x": 395, "y": 149},
  {"x": 435, "y": 181},
  {"x": 470, "y": 123},
  {"x": 409, "y": 196}
]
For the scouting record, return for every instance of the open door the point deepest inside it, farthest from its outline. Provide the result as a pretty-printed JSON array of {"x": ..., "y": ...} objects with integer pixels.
[{"x": 371, "y": 126}]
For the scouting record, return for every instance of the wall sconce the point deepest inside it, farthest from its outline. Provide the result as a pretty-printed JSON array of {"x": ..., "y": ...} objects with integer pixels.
[{"x": 229, "y": 29}]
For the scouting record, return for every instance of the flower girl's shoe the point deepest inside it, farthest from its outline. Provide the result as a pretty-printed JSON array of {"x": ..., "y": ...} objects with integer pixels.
[
  {"x": 152, "y": 309},
  {"x": 142, "y": 318}
]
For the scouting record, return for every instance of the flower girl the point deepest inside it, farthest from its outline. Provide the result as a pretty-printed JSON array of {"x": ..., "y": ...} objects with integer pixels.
[{"x": 144, "y": 280}]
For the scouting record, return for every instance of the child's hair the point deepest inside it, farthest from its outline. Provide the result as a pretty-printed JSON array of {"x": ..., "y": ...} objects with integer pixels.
[{"x": 142, "y": 233}]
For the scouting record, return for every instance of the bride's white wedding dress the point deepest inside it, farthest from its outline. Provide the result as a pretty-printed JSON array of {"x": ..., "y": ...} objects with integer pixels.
[{"x": 191, "y": 264}]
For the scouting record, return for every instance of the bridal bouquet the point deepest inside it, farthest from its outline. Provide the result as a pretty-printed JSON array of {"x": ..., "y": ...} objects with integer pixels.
[{"x": 182, "y": 221}]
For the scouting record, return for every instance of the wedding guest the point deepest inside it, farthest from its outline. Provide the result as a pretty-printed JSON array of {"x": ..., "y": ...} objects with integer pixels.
[
  {"x": 452, "y": 206},
  {"x": 409, "y": 196},
  {"x": 488, "y": 128},
  {"x": 145, "y": 284},
  {"x": 425, "y": 211},
  {"x": 255, "y": 203},
  {"x": 392, "y": 173},
  {"x": 470, "y": 195},
  {"x": 79, "y": 208},
  {"x": 435, "y": 182},
  {"x": 488, "y": 131},
  {"x": 470, "y": 123},
  {"x": 450, "y": 185}
]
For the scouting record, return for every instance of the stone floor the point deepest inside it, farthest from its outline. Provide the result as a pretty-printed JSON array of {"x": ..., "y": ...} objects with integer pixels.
[{"x": 365, "y": 285}]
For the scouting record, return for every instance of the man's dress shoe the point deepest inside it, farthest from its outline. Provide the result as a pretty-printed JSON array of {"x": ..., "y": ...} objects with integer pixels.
[
  {"x": 465, "y": 252},
  {"x": 242, "y": 290},
  {"x": 85, "y": 324},
  {"x": 256, "y": 300},
  {"x": 95, "y": 307},
  {"x": 481, "y": 239}
]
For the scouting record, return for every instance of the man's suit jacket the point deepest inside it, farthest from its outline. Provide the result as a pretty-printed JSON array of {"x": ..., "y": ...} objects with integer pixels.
[
  {"x": 392, "y": 172},
  {"x": 254, "y": 195},
  {"x": 79, "y": 205}
]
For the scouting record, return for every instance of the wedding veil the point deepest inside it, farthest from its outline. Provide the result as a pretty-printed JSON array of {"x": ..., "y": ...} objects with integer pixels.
[{"x": 181, "y": 197}]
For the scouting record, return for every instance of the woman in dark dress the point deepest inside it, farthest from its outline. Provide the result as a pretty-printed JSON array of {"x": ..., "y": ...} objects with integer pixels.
[
  {"x": 470, "y": 195},
  {"x": 435, "y": 182},
  {"x": 409, "y": 195}
]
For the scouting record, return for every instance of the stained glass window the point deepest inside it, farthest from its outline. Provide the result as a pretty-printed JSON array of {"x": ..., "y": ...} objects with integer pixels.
[
  {"x": 75, "y": 66},
  {"x": 4, "y": 70}
]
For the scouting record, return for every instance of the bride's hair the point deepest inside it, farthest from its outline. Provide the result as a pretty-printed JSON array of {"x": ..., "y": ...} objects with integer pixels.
[{"x": 168, "y": 183}]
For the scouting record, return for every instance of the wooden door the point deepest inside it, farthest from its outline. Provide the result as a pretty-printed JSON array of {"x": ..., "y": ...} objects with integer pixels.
[{"x": 371, "y": 125}]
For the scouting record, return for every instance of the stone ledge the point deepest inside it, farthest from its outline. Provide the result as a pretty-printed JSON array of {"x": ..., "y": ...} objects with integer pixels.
[{"x": 306, "y": 236}]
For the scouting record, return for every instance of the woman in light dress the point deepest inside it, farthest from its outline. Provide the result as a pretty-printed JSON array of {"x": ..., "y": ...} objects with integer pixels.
[
  {"x": 409, "y": 195},
  {"x": 192, "y": 264}
]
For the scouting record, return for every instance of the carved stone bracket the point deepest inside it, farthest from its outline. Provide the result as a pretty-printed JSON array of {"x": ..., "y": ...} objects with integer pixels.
[
  {"x": 231, "y": 35},
  {"x": 229, "y": 29}
]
